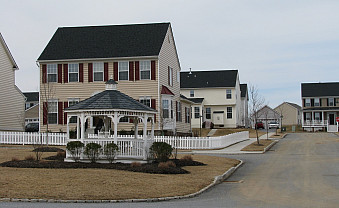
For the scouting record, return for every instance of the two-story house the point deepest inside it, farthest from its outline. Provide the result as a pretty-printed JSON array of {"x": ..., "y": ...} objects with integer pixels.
[
  {"x": 12, "y": 104},
  {"x": 216, "y": 96},
  {"x": 141, "y": 58},
  {"x": 320, "y": 106},
  {"x": 290, "y": 113}
]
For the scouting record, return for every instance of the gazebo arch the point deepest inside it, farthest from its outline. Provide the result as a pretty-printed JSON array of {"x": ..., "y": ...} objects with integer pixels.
[{"x": 112, "y": 105}]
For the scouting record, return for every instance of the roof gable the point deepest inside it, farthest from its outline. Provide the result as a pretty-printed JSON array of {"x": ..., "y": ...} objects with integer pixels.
[
  {"x": 9, "y": 54},
  {"x": 319, "y": 89},
  {"x": 105, "y": 41},
  {"x": 208, "y": 79},
  {"x": 31, "y": 96}
]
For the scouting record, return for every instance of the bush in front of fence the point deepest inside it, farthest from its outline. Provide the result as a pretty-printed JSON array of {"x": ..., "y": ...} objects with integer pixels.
[
  {"x": 92, "y": 151},
  {"x": 75, "y": 148},
  {"x": 161, "y": 151},
  {"x": 110, "y": 151}
]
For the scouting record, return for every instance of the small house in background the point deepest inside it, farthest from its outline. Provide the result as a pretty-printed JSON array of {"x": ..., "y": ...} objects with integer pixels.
[
  {"x": 31, "y": 107},
  {"x": 32, "y": 98},
  {"x": 290, "y": 112},
  {"x": 266, "y": 115},
  {"x": 12, "y": 104}
]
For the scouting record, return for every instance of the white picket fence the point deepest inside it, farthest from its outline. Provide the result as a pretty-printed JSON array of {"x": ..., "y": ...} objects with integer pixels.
[{"x": 177, "y": 142}]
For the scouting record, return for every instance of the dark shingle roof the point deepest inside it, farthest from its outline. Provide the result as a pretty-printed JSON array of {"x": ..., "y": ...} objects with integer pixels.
[
  {"x": 105, "y": 41},
  {"x": 243, "y": 89},
  {"x": 110, "y": 99},
  {"x": 31, "y": 96},
  {"x": 295, "y": 105},
  {"x": 207, "y": 79},
  {"x": 319, "y": 89},
  {"x": 196, "y": 100}
]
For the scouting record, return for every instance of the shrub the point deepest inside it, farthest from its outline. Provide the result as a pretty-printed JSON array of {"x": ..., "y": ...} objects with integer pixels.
[
  {"x": 15, "y": 159},
  {"x": 61, "y": 154},
  {"x": 187, "y": 158},
  {"x": 110, "y": 151},
  {"x": 161, "y": 151},
  {"x": 75, "y": 148},
  {"x": 92, "y": 151},
  {"x": 167, "y": 164},
  {"x": 29, "y": 157},
  {"x": 135, "y": 164}
]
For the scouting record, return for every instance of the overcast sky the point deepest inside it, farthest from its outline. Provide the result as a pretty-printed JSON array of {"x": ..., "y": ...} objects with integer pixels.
[{"x": 275, "y": 45}]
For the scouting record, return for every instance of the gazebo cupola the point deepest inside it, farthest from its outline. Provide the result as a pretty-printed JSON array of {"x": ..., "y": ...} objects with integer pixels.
[{"x": 111, "y": 84}]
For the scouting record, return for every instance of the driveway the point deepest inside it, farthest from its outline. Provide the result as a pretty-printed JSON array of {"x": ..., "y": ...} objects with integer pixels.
[{"x": 301, "y": 170}]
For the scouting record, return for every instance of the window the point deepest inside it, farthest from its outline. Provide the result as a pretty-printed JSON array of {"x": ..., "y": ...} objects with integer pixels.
[
  {"x": 188, "y": 115},
  {"x": 73, "y": 72},
  {"x": 165, "y": 108},
  {"x": 196, "y": 112},
  {"x": 52, "y": 112},
  {"x": 171, "y": 109},
  {"x": 170, "y": 76},
  {"x": 317, "y": 116},
  {"x": 208, "y": 113},
  {"x": 192, "y": 93},
  {"x": 124, "y": 119},
  {"x": 228, "y": 94},
  {"x": 178, "y": 76},
  {"x": 52, "y": 73},
  {"x": 330, "y": 101},
  {"x": 145, "y": 69},
  {"x": 179, "y": 111},
  {"x": 71, "y": 102},
  {"x": 27, "y": 106},
  {"x": 229, "y": 112},
  {"x": 123, "y": 70},
  {"x": 98, "y": 71},
  {"x": 316, "y": 102},
  {"x": 145, "y": 101},
  {"x": 308, "y": 116},
  {"x": 307, "y": 102}
]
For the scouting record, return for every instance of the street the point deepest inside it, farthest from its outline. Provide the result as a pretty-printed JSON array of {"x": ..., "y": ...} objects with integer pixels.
[{"x": 301, "y": 170}]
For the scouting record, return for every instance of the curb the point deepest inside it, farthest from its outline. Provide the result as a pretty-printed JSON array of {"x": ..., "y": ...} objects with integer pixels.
[
  {"x": 269, "y": 146},
  {"x": 217, "y": 180}
]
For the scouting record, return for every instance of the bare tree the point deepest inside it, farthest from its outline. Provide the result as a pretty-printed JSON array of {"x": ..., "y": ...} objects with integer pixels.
[
  {"x": 46, "y": 94},
  {"x": 266, "y": 112},
  {"x": 281, "y": 111},
  {"x": 256, "y": 103}
]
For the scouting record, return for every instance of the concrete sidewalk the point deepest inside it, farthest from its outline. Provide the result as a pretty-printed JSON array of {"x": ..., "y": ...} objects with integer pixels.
[{"x": 234, "y": 149}]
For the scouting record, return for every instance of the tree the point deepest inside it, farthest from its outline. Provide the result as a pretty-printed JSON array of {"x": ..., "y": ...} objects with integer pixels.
[
  {"x": 266, "y": 112},
  {"x": 281, "y": 111},
  {"x": 256, "y": 103}
]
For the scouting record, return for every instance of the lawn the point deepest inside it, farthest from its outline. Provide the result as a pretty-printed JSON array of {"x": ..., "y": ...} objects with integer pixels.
[
  {"x": 255, "y": 147},
  {"x": 101, "y": 184}
]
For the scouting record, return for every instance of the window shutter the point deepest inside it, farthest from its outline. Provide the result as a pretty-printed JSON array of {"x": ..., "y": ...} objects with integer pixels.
[
  {"x": 312, "y": 102},
  {"x": 60, "y": 116},
  {"x": 44, "y": 116},
  {"x": 81, "y": 72},
  {"x": 335, "y": 101},
  {"x": 131, "y": 71},
  {"x": 65, "y": 73},
  {"x": 131, "y": 120},
  {"x": 152, "y": 70},
  {"x": 137, "y": 70},
  {"x": 303, "y": 102},
  {"x": 176, "y": 108},
  {"x": 44, "y": 73},
  {"x": 65, "y": 114},
  {"x": 90, "y": 72},
  {"x": 59, "y": 73},
  {"x": 115, "y": 67},
  {"x": 185, "y": 115},
  {"x": 153, "y": 103},
  {"x": 105, "y": 71}
]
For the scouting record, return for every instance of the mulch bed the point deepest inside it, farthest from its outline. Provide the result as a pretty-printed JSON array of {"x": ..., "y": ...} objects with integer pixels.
[
  {"x": 48, "y": 149},
  {"x": 58, "y": 163}
]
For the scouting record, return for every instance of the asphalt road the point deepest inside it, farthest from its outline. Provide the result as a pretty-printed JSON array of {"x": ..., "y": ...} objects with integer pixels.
[{"x": 301, "y": 170}]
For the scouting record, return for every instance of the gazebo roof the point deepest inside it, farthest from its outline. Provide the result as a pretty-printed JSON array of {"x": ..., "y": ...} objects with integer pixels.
[{"x": 110, "y": 100}]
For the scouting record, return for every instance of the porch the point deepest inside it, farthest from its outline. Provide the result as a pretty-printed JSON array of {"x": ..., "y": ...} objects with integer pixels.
[{"x": 320, "y": 119}]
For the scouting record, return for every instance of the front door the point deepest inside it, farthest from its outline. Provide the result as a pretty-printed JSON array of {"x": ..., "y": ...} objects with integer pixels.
[{"x": 332, "y": 126}]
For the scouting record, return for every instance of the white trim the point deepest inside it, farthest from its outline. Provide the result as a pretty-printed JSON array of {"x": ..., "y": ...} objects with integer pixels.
[
  {"x": 103, "y": 71},
  {"x": 56, "y": 73},
  {"x": 150, "y": 69},
  {"x": 68, "y": 71},
  {"x": 123, "y": 71}
]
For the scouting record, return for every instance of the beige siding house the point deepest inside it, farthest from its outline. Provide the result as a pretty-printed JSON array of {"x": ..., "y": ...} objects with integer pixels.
[
  {"x": 12, "y": 105},
  {"x": 290, "y": 112},
  {"x": 216, "y": 96},
  {"x": 141, "y": 58}
]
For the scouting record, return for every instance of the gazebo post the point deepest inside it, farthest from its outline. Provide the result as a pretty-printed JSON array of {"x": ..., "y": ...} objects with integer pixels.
[
  {"x": 144, "y": 135},
  {"x": 78, "y": 128},
  {"x": 82, "y": 118},
  {"x": 152, "y": 124},
  {"x": 68, "y": 127},
  {"x": 115, "y": 121},
  {"x": 135, "y": 121}
]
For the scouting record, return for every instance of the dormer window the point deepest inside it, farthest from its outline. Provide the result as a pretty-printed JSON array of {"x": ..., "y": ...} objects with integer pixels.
[{"x": 52, "y": 72}]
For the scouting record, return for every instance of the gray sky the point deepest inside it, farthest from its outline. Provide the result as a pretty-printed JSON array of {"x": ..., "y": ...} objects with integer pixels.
[{"x": 275, "y": 45}]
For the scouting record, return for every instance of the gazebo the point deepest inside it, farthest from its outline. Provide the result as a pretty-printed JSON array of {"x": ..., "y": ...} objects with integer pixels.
[{"x": 111, "y": 105}]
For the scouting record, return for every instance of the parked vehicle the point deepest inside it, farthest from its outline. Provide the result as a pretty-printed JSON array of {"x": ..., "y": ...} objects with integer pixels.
[
  {"x": 273, "y": 124},
  {"x": 32, "y": 127},
  {"x": 259, "y": 125}
]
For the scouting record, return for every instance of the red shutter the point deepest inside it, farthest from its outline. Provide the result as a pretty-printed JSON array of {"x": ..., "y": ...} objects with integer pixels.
[
  {"x": 115, "y": 68},
  {"x": 153, "y": 103},
  {"x": 60, "y": 116},
  {"x": 65, "y": 73},
  {"x": 176, "y": 110},
  {"x": 59, "y": 73},
  {"x": 106, "y": 72},
  {"x": 152, "y": 70},
  {"x": 81, "y": 72},
  {"x": 44, "y": 115},
  {"x": 44, "y": 73},
  {"x": 131, "y": 120},
  {"x": 131, "y": 71},
  {"x": 90, "y": 72},
  {"x": 137, "y": 70},
  {"x": 65, "y": 114}
]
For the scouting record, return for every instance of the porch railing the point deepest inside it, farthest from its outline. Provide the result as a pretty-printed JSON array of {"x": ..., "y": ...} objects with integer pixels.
[{"x": 314, "y": 123}]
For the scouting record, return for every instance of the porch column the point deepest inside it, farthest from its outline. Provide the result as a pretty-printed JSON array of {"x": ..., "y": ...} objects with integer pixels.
[
  {"x": 115, "y": 121},
  {"x": 68, "y": 117},
  {"x": 135, "y": 122},
  {"x": 152, "y": 124},
  {"x": 145, "y": 136},
  {"x": 312, "y": 117},
  {"x": 322, "y": 118},
  {"x": 78, "y": 128},
  {"x": 82, "y": 118}
]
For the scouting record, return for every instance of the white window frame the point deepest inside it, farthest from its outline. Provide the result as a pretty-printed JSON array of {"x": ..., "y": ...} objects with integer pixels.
[
  {"x": 75, "y": 101},
  {"x": 178, "y": 76},
  {"x": 229, "y": 112},
  {"x": 70, "y": 67},
  {"x": 170, "y": 71},
  {"x": 166, "y": 107},
  {"x": 98, "y": 67},
  {"x": 179, "y": 111},
  {"x": 308, "y": 116},
  {"x": 147, "y": 99},
  {"x": 191, "y": 93},
  {"x": 317, "y": 116},
  {"x": 52, "y": 69},
  {"x": 208, "y": 113},
  {"x": 317, "y": 102},
  {"x": 52, "y": 112},
  {"x": 123, "y": 71},
  {"x": 228, "y": 93},
  {"x": 307, "y": 102},
  {"x": 188, "y": 114},
  {"x": 145, "y": 66},
  {"x": 196, "y": 114},
  {"x": 330, "y": 101}
]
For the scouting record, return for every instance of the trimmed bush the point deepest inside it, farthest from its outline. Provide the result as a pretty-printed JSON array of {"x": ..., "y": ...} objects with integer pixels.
[
  {"x": 161, "y": 151},
  {"x": 167, "y": 164},
  {"x": 110, "y": 151},
  {"x": 187, "y": 158},
  {"x": 29, "y": 157},
  {"x": 75, "y": 149},
  {"x": 92, "y": 151}
]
